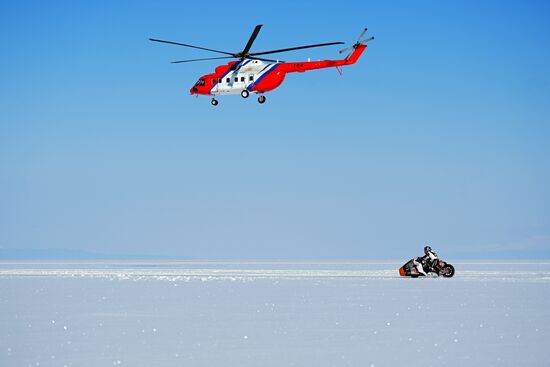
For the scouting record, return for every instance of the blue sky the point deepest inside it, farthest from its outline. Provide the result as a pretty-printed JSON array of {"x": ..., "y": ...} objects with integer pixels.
[{"x": 439, "y": 134}]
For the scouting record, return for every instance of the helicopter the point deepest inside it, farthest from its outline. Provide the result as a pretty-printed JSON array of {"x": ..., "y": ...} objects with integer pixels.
[{"x": 252, "y": 73}]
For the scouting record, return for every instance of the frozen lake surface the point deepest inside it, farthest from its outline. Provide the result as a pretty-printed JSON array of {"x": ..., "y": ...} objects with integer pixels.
[{"x": 272, "y": 314}]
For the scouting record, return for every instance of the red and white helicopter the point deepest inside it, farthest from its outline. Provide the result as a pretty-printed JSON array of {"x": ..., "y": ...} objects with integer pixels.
[{"x": 254, "y": 74}]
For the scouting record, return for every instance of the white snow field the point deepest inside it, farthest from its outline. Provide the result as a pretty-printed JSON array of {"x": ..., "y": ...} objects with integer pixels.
[{"x": 272, "y": 314}]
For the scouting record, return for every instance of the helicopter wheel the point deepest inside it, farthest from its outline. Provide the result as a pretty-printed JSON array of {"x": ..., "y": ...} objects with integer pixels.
[
  {"x": 261, "y": 99},
  {"x": 245, "y": 94},
  {"x": 214, "y": 102}
]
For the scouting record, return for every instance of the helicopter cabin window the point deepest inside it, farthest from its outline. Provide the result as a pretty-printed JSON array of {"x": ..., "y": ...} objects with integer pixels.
[
  {"x": 227, "y": 80},
  {"x": 236, "y": 79},
  {"x": 200, "y": 82},
  {"x": 219, "y": 81},
  {"x": 251, "y": 78},
  {"x": 242, "y": 78},
  {"x": 213, "y": 81}
]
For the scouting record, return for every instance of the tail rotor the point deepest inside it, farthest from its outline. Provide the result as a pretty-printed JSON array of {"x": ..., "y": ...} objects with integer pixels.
[{"x": 359, "y": 42}]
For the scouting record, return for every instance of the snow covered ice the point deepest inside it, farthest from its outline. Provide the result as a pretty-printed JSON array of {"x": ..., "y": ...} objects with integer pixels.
[{"x": 272, "y": 314}]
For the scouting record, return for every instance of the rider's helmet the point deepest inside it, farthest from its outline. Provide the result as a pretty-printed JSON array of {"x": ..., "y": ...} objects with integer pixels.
[{"x": 427, "y": 249}]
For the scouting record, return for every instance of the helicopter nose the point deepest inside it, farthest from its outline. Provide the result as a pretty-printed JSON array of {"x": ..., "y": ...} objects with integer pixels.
[{"x": 194, "y": 90}]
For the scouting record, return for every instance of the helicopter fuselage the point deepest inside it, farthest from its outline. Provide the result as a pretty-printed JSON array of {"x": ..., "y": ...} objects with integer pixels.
[{"x": 256, "y": 76}]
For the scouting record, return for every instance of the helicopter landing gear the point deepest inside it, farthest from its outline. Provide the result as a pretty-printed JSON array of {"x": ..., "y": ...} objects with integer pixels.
[
  {"x": 245, "y": 94},
  {"x": 261, "y": 99},
  {"x": 214, "y": 102}
]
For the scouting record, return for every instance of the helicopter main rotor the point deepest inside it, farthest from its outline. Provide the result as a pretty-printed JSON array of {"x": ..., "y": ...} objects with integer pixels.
[{"x": 244, "y": 54}]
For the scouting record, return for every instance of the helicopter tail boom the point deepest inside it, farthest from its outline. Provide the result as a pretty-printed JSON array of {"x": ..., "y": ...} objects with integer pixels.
[{"x": 300, "y": 67}]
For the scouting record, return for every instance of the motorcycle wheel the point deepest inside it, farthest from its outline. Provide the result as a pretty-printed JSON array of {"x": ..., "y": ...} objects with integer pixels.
[{"x": 447, "y": 271}]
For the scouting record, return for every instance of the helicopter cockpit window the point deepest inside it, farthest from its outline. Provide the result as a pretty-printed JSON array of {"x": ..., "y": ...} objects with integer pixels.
[{"x": 200, "y": 82}]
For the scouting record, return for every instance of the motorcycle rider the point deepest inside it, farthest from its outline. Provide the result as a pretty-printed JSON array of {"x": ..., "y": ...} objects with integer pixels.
[
  {"x": 429, "y": 258},
  {"x": 424, "y": 263}
]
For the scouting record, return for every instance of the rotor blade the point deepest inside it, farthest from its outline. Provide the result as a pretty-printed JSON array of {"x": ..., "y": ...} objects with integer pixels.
[
  {"x": 296, "y": 48},
  {"x": 251, "y": 39},
  {"x": 186, "y": 45},
  {"x": 362, "y": 33},
  {"x": 259, "y": 58},
  {"x": 368, "y": 39},
  {"x": 208, "y": 58},
  {"x": 345, "y": 50}
]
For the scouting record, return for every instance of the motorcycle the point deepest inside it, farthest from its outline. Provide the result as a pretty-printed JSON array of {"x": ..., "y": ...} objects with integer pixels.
[{"x": 438, "y": 267}]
